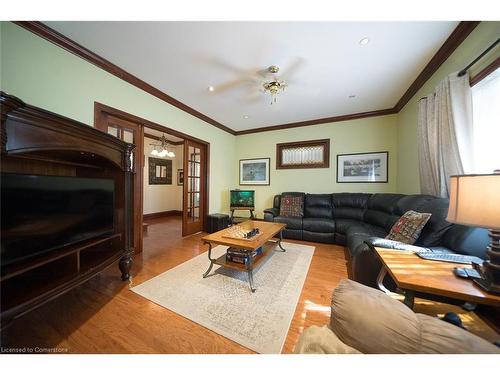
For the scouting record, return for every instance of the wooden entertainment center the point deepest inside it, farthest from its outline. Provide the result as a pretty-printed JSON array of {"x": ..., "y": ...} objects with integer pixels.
[{"x": 39, "y": 142}]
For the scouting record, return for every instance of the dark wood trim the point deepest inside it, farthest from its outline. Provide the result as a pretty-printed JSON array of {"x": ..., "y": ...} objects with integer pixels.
[
  {"x": 156, "y": 215},
  {"x": 353, "y": 116},
  {"x": 100, "y": 108},
  {"x": 298, "y": 144},
  {"x": 146, "y": 123},
  {"x": 485, "y": 72},
  {"x": 156, "y": 138},
  {"x": 456, "y": 38},
  {"x": 69, "y": 45}
]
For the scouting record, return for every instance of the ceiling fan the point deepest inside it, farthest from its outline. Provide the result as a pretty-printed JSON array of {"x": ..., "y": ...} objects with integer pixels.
[{"x": 260, "y": 81}]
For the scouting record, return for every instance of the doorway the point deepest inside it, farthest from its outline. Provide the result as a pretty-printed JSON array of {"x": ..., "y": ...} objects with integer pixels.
[{"x": 131, "y": 128}]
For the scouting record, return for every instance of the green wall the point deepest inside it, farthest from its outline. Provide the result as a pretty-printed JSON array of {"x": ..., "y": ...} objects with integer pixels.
[
  {"x": 482, "y": 37},
  {"x": 365, "y": 135},
  {"x": 47, "y": 76}
]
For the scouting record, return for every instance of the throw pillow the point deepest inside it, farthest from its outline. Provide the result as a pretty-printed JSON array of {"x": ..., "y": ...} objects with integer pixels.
[
  {"x": 408, "y": 227},
  {"x": 291, "y": 206}
]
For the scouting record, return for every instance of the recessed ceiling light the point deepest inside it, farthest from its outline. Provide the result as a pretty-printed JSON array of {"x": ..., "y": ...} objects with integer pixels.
[
  {"x": 211, "y": 88},
  {"x": 364, "y": 41},
  {"x": 246, "y": 116}
]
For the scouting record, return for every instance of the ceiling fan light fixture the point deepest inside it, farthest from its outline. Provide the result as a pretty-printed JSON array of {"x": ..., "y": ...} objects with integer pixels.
[{"x": 273, "y": 88}]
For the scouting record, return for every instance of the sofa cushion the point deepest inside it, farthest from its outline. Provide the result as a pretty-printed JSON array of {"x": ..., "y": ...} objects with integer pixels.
[
  {"x": 291, "y": 222},
  {"x": 318, "y": 237},
  {"x": 372, "y": 322},
  {"x": 349, "y": 205},
  {"x": 342, "y": 225},
  {"x": 318, "y": 205},
  {"x": 357, "y": 234},
  {"x": 380, "y": 210},
  {"x": 313, "y": 224},
  {"x": 409, "y": 226},
  {"x": 467, "y": 240},
  {"x": 321, "y": 340},
  {"x": 433, "y": 232},
  {"x": 291, "y": 206},
  {"x": 296, "y": 234}
]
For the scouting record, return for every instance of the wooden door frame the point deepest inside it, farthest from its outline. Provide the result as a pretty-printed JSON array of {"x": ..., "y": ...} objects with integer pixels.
[{"x": 101, "y": 109}]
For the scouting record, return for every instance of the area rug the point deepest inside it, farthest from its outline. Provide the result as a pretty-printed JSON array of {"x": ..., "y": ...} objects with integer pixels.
[{"x": 224, "y": 303}]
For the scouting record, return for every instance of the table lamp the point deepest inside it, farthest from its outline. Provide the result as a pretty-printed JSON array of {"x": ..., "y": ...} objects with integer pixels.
[{"x": 475, "y": 201}]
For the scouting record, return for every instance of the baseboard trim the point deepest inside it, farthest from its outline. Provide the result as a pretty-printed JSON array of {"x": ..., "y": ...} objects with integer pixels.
[{"x": 156, "y": 215}]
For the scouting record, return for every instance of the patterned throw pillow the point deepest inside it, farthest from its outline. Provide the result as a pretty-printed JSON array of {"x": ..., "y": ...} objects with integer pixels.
[
  {"x": 408, "y": 227},
  {"x": 291, "y": 206}
]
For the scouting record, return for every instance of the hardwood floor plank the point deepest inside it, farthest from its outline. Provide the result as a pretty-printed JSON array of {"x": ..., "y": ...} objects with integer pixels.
[{"x": 104, "y": 316}]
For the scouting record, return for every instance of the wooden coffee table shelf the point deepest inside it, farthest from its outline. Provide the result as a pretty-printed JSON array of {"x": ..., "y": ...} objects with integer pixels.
[
  {"x": 268, "y": 249},
  {"x": 264, "y": 240}
]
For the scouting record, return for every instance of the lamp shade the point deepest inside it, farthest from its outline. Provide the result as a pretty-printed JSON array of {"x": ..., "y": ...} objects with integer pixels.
[{"x": 475, "y": 200}]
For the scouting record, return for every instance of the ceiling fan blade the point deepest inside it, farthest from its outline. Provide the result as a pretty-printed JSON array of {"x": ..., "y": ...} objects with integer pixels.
[
  {"x": 232, "y": 84},
  {"x": 264, "y": 73},
  {"x": 254, "y": 97},
  {"x": 292, "y": 69}
]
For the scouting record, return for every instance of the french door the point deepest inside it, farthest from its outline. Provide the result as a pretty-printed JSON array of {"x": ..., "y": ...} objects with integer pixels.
[
  {"x": 131, "y": 132},
  {"x": 195, "y": 178}
]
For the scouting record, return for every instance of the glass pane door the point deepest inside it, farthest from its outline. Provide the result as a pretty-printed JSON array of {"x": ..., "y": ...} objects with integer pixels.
[{"x": 193, "y": 187}]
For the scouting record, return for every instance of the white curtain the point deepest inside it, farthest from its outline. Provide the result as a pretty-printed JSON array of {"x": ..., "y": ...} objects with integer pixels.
[{"x": 445, "y": 134}]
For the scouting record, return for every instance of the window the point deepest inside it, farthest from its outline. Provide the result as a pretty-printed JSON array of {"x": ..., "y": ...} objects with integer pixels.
[
  {"x": 303, "y": 154},
  {"x": 486, "y": 123}
]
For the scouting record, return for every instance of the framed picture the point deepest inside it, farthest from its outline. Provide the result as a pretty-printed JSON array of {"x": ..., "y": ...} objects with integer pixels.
[
  {"x": 160, "y": 171},
  {"x": 180, "y": 176},
  {"x": 254, "y": 171},
  {"x": 363, "y": 167}
]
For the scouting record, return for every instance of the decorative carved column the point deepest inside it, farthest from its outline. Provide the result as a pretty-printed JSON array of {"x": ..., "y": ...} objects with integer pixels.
[{"x": 126, "y": 261}]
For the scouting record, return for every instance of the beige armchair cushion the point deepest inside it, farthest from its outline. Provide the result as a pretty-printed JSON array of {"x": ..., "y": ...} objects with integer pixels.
[
  {"x": 321, "y": 340},
  {"x": 372, "y": 322}
]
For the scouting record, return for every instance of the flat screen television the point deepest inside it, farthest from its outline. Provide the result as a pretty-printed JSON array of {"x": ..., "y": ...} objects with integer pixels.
[
  {"x": 243, "y": 199},
  {"x": 43, "y": 213}
]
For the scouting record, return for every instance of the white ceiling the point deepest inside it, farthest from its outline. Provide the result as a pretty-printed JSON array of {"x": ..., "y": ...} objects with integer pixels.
[{"x": 327, "y": 63}]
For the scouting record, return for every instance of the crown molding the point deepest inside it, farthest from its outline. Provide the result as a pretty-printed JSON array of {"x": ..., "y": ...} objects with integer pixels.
[
  {"x": 458, "y": 35},
  {"x": 353, "y": 116},
  {"x": 69, "y": 45},
  {"x": 456, "y": 38}
]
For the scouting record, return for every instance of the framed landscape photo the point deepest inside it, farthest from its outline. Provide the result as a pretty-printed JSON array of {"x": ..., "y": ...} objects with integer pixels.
[
  {"x": 254, "y": 171},
  {"x": 363, "y": 167}
]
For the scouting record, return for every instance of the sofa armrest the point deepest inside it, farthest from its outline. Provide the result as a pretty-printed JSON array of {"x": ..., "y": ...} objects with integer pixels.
[
  {"x": 270, "y": 213},
  {"x": 321, "y": 340},
  {"x": 390, "y": 244}
]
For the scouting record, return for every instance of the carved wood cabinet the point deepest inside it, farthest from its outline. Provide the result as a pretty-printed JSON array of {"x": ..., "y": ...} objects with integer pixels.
[{"x": 38, "y": 142}]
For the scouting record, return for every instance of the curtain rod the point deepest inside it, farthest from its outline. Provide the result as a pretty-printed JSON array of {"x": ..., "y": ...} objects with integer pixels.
[{"x": 464, "y": 70}]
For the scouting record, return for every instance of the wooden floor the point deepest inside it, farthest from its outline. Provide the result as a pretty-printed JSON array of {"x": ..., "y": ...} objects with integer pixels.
[{"x": 103, "y": 316}]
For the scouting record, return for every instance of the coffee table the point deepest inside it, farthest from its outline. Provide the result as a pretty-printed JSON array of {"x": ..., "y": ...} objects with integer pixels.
[
  {"x": 264, "y": 239},
  {"x": 414, "y": 274}
]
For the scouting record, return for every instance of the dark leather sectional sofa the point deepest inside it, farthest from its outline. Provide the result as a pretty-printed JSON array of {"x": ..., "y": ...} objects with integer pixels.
[{"x": 360, "y": 221}]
